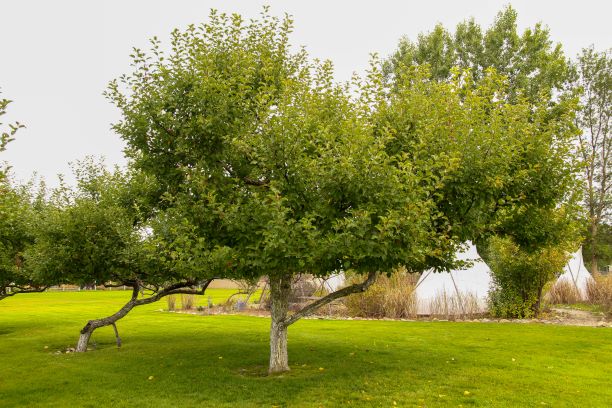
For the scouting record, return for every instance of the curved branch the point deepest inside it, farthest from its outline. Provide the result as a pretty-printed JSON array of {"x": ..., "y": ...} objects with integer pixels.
[
  {"x": 349, "y": 290},
  {"x": 176, "y": 288},
  {"x": 21, "y": 289}
]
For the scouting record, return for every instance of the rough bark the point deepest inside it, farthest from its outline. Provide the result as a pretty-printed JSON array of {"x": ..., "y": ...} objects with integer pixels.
[
  {"x": 594, "y": 260},
  {"x": 12, "y": 290},
  {"x": 280, "y": 289},
  {"x": 92, "y": 325}
]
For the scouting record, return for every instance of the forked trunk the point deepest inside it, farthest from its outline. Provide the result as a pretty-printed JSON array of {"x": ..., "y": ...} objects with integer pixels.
[
  {"x": 280, "y": 288},
  {"x": 174, "y": 289},
  {"x": 92, "y": 325}
]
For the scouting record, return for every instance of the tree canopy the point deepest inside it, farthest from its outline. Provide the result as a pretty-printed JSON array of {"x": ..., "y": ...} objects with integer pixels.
[
  {"x": 98, "y": 234},
  {"x": 278, "y": 170},
  {"x": 533, "y": 65}
]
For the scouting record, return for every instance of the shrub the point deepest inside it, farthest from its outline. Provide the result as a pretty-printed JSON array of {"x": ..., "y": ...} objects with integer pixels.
[
  {"x": 507, "y": 303},
  {"x": 599, "y": 292},
  {"x": 171, "y": 300},
  {"x": 391, "y": 297},
  {"x": 188, "y": 301},
  {"x": 519, "y": 276}
]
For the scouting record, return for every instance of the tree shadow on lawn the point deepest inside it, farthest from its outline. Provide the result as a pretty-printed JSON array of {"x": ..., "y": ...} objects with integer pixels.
[
  {"x": 228, "y": 369},
  {"x": 219, "y": 361}
]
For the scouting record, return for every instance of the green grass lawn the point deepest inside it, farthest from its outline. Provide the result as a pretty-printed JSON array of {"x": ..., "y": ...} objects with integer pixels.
[{"x": 220, "y": 361}]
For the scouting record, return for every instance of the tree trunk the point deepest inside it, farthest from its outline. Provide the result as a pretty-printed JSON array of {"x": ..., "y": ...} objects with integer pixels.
[
  {"x": 174, "y": 289},
  {"x": 536, "y": 306},
  {"x": 280, "y": 288},
  {"x": 84, "y": 339},
  {"x": 92, "y": 325},
  {"x": 594, "y": 266}
]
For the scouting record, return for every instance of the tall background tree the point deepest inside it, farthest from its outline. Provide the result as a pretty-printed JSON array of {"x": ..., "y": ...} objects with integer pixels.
[
  {"x": 534, "y": 66},
  {"x": 537, "y": 74},
  {"x": 594, "y": 77}
]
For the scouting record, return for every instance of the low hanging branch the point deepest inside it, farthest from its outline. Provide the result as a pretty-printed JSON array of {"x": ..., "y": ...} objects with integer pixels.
[
  {"x": 185, "y": 287},
  {"x": 349, "y": 290},
  {"x": 20, "y": 289}
]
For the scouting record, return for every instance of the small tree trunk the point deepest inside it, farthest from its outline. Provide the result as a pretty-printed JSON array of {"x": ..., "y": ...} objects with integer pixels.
[
  {"x": 594, "y": 266},
  {"x": 92, "y": 325},
  {"x": 84, "y": 339},
  {"x": 536, "y": 306},
  {"x": 280, "y": 288}
]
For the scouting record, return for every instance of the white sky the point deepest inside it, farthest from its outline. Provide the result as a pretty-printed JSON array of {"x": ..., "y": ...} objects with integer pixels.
[{"x": 57, "y": 56}]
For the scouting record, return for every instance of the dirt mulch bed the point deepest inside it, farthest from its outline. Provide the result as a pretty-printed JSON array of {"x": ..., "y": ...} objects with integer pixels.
[{"x": 557, "y": 316}]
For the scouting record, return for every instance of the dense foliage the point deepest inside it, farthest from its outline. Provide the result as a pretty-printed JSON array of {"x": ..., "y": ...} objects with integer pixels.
[
  {"x": 271, "y": 165},
  {"x": 18, "y": 213},
  {"x": 519, "y": 277},
  {"x": 534, "y": 66}
]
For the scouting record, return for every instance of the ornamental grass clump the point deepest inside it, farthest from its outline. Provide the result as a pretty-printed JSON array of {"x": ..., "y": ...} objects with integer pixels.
[
  {"x": 563, "y": 292},
  {"x": 188, "y": 302},
  {"x": 599, "y": 292},
  {"x": 452, "y": 307},
  {"x": 392, "y": 297},
  {"x": 171, "y": 301}
]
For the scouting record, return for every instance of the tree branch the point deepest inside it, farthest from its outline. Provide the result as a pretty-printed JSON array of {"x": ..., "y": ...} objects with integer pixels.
[
  {"x": 349, "y": 290},
  {"x": 176, "y": 288},
  {"x": 21, "y": 289}
]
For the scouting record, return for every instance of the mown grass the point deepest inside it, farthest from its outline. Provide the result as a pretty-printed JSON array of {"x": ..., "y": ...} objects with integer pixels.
[{"x": 220, "y": 361}]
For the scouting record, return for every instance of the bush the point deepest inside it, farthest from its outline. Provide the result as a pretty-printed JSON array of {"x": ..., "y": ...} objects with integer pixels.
[
  {"x": 563, "y": 292},
  {"x": 171, "y": 300},
  {"x": 506, "y": 303},
  {"x": 519, "y": 276},
  {"x": 188, "y": 301},
  {"x": 391, "y": 297},
  {"x": 599, "y": 292}
]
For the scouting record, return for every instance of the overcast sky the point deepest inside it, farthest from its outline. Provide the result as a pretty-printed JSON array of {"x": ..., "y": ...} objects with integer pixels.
[{"x": 58, "y": 56}]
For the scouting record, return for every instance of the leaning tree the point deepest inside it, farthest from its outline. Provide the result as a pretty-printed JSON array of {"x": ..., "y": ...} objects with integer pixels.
[
  {"x": 98, "y": 234},
  {"x": 258, "y": 151}
]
